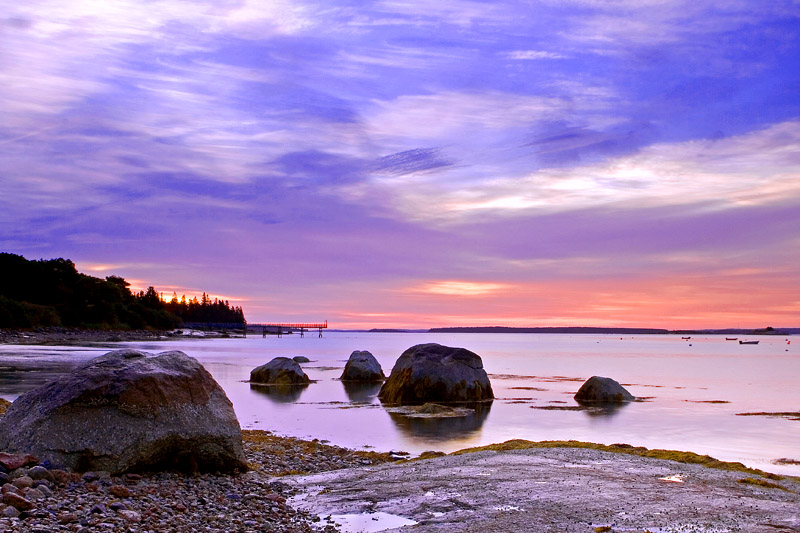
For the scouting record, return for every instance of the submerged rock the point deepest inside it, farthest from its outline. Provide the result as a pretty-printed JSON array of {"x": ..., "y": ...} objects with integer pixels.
[
  {"x": 279, "y": 371},
  {"x": 435, "y": 373},
  {"x": 128, "y": 410},
  {"x": 362, "y": 366},
  {"x": 301, "y": 359},
  {"x": 597, "y": 389}
]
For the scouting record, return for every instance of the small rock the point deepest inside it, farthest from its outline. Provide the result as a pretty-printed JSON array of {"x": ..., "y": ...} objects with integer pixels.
[
  {"x": 131, "y": 516},
  {"x": 44, "y": 489},
  {"x": 3, "y": 478},
  {"x": 17, "y": 501},
  {"x": 8, "y": 487},
  {"x": 34, "y": 495},
  {"x": 120, "y": 491},
  {"x": 118, "y": 506},
  {"x": 275, "y": 498},
  {"x": 67, "y": 518},
  {"x": 90, "y": 477},
  {"x": 301, "y": 359},
  {"x": 40, "y": 472},
  {"x": 599, "y": 390},
  {"x": 10, "y": 512},
  {"x": 23, "y": 482},
  {"x": 60, "y": 477},
  {"x": 12, "y": 461},
  {"x": 98, "y": 509}
]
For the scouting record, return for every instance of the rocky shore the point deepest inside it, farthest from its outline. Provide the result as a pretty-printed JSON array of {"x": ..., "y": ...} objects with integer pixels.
[
  {"x": 38, "y": 499},
  {"x": 70, "y": 336},
  {"x": 292, "y": 482}
]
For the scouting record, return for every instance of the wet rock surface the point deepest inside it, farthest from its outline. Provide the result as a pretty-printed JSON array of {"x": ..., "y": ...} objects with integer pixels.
[
  {"x": 279, "y": 371},
  {"x": 435, "y": 373},
  {"x": 128, "y": 410},
  {"x": 554, "y": 490},
  {"x": 362, "y": 366},
  {"x": 600, "y": 390}
]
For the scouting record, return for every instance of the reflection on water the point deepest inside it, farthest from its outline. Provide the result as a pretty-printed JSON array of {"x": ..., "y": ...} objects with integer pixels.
[
  {"x": 604, "y": 411},
  {"x": 361, "y": 391},
  {"x": 591, "y": 409},
  {"x": 438, "y": 429},
  {"x": 280, "y": 393},
  {"x": 17, "y": 378}
]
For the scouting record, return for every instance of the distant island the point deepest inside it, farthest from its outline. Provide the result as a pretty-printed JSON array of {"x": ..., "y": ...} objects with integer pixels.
[
  {"x": 507, "y": 329},
  {"x": 52, "y": 293},
  {"x": 615, "y": 331}
]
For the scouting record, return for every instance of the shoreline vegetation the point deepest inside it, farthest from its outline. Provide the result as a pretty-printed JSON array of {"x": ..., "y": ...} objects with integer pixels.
[
  {"x": 55, "y": 336},
  {"x": 52, "y": 293}
]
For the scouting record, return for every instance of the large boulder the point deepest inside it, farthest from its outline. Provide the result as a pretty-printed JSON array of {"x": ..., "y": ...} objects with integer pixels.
[
  {"x": 435, "y": 373},
  {"x": 279, "y": 371},
  {"x": 362, "y": 366},
  {"x": 597, "y": 389},
  {"x": 128, "y": 411}
]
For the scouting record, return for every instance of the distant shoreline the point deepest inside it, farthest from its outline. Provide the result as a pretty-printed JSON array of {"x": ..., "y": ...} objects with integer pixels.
[
  {"x": 77, "y": 336},
  {"x": 614, "y": 331}
]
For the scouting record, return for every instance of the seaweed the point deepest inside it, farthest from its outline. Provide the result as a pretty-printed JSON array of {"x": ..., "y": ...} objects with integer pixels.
[
  {"x": 670, "y": 455},
  {"x": 4, "y": 404},
  {"x": 761, "y": 483}
]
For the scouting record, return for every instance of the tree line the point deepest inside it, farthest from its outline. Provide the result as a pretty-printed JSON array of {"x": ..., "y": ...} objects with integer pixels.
[{"x": 44, "y": 293}]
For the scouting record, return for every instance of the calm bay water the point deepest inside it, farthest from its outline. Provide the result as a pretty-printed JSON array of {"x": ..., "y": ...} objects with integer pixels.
[{"x": 684, "y": 382}]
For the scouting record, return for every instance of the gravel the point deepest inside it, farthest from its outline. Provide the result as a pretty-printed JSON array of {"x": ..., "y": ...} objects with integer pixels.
[{"x": 172, "y": 502}]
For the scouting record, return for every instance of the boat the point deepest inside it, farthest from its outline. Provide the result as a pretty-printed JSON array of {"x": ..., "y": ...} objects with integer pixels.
[
  {"x": 748, "y": 342},
  {"x": 731, "y": 338},
  {"x": 686, "y": 338}
]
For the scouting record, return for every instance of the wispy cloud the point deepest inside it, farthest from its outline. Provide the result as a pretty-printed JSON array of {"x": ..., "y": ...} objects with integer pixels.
[
  {"x": 533, "y": 54},
  {"x": 754, "y": 169}
]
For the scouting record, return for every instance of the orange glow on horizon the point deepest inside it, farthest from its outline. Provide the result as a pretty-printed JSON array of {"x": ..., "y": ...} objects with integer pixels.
[{"x": 751, "y": 300}]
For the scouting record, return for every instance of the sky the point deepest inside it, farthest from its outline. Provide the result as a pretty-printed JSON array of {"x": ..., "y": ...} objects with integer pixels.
[{"x": 407, "y": 164}]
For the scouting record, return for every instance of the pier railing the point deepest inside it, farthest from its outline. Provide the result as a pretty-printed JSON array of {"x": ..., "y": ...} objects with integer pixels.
[{"x": 271, "y": 328}]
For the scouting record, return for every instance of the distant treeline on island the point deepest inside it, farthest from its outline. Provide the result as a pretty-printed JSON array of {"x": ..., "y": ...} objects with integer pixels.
[
  {"x": 507, "y": 329},
  {"x": 615, "y": 331},
  {"x": 52, "y": 292}
]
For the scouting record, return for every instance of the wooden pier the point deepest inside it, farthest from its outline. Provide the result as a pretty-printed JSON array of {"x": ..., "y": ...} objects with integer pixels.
[
  {"x": 272, "y": 328},
  {"x": 302, "y": 327}
]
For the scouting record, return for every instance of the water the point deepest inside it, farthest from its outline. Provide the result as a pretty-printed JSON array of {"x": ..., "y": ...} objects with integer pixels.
[{"x": 679, "y": 377}]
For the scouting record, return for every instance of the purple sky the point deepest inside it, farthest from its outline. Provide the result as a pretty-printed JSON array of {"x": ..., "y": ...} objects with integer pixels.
[{"x": 404, "y": 163}]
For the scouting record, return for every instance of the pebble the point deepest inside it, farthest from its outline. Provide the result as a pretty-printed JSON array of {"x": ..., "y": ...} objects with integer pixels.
[
  {"x": 172, "y": 502},
  {"x": 39, "y": 472},
  {"x": 17, "y": 501},
  {"x": 23, "y": 482}
]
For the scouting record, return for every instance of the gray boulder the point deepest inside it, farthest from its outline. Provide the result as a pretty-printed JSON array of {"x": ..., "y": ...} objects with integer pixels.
[
  {"x": 129, "y": 411},
  {"x": 362, "y": 366},
  {"x": 279, "y": 371},
  {"x": 597, "y": 389},
  {"x": 435, "y": 373}
]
